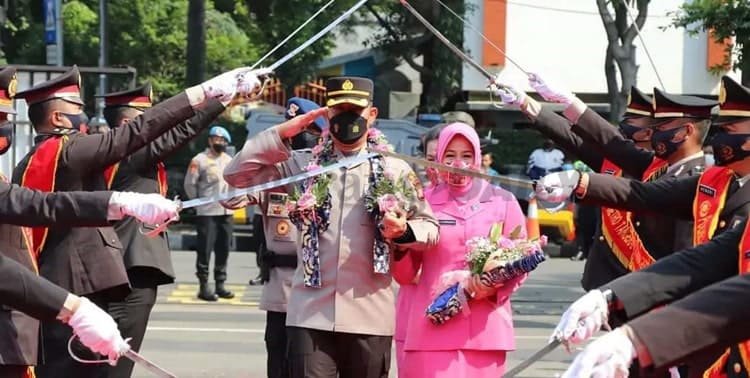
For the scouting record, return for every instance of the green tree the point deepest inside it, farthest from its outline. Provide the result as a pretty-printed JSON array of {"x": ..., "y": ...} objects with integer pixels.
[
  {"x": 622, "y": 28},
  {"x": 404, "y": 38},
  {"x": 727, "y": 19}
]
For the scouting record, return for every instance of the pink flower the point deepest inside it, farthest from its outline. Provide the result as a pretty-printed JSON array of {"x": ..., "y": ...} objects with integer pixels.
[
  {"x": 387, "y": 202},
  {"x": 312, "y": 166},
  {"x": 389, "y": 174},
  {"x": 306, "y": 201},
  {"x": 506, "y": 243},
  {"x": 290, "y": 206},
  {"x": 324, "y": 135},
  {"x": 317, "y": 149},
  {"x": 381, "y": 147},
  {"x": 372, "y": 132}
]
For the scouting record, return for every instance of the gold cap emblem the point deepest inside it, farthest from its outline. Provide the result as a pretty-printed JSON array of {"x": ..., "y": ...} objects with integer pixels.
[
  {"x": 347, "y": 85},
  {"x": 12, "y": 86},
  {"x": 722, "y": 93},
  {"x": 630, "y": 97},
  {"x": 151, "y": 94}
]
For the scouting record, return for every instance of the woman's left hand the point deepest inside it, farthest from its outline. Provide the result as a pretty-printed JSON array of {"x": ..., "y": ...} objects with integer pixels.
[
  {"x": 477, "y": 289},
  {"x": 393, "y": 224}
]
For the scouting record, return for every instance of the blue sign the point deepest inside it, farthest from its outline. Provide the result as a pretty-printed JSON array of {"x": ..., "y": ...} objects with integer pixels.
[{"x": 50, "y": 24}]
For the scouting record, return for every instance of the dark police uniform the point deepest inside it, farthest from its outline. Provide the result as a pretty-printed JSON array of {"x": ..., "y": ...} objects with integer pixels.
[
  {"x": 677, "y": 197},
  {"x": 85, "y": 261},
  {"x": 712, "y": 318},
  {"x": 147, "y": 259}
]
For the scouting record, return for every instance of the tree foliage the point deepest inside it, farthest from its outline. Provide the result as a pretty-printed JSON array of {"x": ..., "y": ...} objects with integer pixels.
[
  {"x": 404, "y": 38},
  {"x": 622, "y": 27},
  {"x": 725, "y": 19}
]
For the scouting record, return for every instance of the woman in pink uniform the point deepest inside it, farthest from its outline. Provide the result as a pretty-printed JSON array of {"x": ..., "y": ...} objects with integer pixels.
[
  {"x": 472, "y": 344},
  {"x": 408, "y": 285}
]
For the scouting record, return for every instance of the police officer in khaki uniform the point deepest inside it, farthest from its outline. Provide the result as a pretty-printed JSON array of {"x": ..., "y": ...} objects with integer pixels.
[
  {"x": 341, "y": 312},
  {"x": 214, "y": 222}
]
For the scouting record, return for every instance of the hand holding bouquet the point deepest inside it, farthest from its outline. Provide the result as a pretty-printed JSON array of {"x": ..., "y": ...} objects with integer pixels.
[{"x": 491, "y": 261}]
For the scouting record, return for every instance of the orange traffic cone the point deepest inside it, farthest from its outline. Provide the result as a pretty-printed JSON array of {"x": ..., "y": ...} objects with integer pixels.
[{"x": 532, "y": 220}]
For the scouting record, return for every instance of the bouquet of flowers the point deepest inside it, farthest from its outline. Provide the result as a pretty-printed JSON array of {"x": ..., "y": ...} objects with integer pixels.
[
  {"x": 389, "y": 193},
  {"x": 491, "y": 261}
]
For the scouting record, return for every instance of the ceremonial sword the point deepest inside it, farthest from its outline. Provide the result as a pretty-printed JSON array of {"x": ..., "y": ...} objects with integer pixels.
[
  {"x": 256, "y": 188},
  {"x": 532, "y": 359},
  {"x": 448, "y": 43},
  {"x": 130, "y": 354}
]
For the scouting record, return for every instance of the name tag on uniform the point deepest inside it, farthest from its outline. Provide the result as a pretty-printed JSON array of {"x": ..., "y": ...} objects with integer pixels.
[
  {"x": 447, "y": 222},
  {"x": 707, "y": 190},
  {"x": 277, "y": 205}
]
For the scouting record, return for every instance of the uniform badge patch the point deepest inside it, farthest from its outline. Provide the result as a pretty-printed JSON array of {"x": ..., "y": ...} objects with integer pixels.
[
  {"x": 414, "y": 180},
  {"x": 193, "y": 169},
  {"x": 707, "y": 190},
  {"x": 282, "y": 228}
]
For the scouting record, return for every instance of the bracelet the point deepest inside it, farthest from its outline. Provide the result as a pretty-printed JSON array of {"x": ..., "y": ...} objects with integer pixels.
[{"x": 582, "y": 185}]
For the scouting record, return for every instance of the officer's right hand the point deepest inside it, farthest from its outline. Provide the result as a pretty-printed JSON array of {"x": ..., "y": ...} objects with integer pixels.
[
  {"x": 240, "y": 81},
  {"x": 557, "y": 187},
  {"x": 98, "y": 331},
  {"x": 238, "y": 202},
  {"x": 148, "y": 208},
  {"x": 296, "y": 125},
  {"x": 582, "y": 319},
  {"x": 550, "y": 90}
]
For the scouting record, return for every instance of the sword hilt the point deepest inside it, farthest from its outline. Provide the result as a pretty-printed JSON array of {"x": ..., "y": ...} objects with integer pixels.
[{"x": 161, "y": 227}]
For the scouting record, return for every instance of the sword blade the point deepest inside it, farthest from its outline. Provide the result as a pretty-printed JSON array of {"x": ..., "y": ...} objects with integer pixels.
[
  {"x": 292, "y": 34},
  {"x": 274, "y": 184},
  {"x": 148, "y": 365},
  {"x": 534, "y": 358},
  {"x": 447, "y": 42},
  {"x": 318, "y": 36},
  {"x": 466, "y": 172}
]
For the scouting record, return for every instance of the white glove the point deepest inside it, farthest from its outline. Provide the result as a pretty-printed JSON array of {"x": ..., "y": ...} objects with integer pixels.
[
  {"x": 582, "y": 319},
  {"x": 240, "y": 81},
  {"x": 98, "y": 331},
  {"x": 609, "y": 356},
  {"x": 509, "y": 95},
  {"x": 558, "y": 186},
  {"x": 551, "y": 91},
  {"x": 148, "y": 208}
]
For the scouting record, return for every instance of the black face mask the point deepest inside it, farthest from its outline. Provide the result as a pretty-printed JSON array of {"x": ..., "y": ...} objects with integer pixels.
[
  {"x": 661, "y": 142},
  {"x": 218, "y": 147},
  {"x": 77, "y": 120},
  {"x": 6, "y": 131},
  {"x": 629, "y": 131},
  {"x": 348, "y": 127},
  {"x": 728, "y": 147}
]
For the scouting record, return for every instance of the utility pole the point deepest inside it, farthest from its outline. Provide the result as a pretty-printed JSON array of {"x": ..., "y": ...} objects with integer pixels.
[{"x": 102, "y": 55}]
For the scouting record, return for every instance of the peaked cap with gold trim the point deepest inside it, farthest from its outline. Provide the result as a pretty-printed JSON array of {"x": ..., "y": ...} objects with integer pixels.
[
  {"x": 8, "y": 84},
  {"x": 639, "y": 104},
  {"x": 734, "y": 101},
  {"x": 677, "y": 106},
  {"x": 139, "y": 98},
  {"x": 66, "y": 87},
  {"x": 350, "y": 90}
]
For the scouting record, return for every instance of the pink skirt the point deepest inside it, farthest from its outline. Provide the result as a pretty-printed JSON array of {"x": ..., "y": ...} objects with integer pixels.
[
  {"x": 400, "y": 363},
  {"x": 452, "y": 364}
]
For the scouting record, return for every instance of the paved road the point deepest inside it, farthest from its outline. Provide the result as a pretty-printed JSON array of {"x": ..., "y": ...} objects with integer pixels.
[{"x": 194, "y": 339}]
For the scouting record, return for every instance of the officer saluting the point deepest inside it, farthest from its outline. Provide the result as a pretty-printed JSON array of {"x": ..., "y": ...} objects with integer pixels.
[
  {"x": 278, "y": 250},
  {"x": 88, "y": 261},
  {"x": 716, "y": 200},
  {"x": 341, "y": 295},
  {"x": 147, "y": 259}
]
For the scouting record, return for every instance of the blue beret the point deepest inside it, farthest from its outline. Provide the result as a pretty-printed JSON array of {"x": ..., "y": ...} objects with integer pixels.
[
  {"x": 220, "y": 131},
  {"x": 297, "y": 106}
]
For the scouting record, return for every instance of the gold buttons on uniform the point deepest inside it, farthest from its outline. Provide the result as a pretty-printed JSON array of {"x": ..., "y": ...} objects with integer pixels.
[
  {"x": 722, "y": 224},
  {"x": 737, "y": 367},
  {"x": 601, "y": 238}
]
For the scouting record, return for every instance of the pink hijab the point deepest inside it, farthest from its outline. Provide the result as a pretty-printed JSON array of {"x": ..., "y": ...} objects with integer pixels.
[{"x": 464, "y": 130}]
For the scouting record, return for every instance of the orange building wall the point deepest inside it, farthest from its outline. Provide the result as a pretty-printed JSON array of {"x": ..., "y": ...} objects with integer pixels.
[{"x": 495, "y": 14}]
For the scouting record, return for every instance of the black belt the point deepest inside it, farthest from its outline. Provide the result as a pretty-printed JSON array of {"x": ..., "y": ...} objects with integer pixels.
[{"x": 275, "y": 260}]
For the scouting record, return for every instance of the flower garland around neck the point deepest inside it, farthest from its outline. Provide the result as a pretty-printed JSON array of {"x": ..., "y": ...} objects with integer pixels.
[{"x": 310, "y": 208}]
